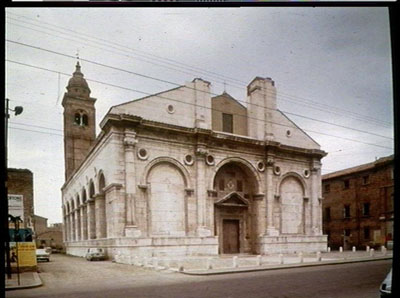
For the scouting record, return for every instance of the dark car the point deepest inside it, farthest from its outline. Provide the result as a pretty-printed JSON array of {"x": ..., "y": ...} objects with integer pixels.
[{"x": 386, "y": 286}]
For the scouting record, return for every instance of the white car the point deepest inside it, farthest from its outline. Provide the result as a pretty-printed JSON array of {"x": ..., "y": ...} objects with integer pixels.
[
  {"x": 95, "y": 254},
  {"x": 386, "y": 286},
  {"x": 42, "y": 255}
]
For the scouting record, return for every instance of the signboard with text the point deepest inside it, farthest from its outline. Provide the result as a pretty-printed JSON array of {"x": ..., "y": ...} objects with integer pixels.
[
  {"x": 16, "y": 205},
  {"x": 26, "y": 255}
]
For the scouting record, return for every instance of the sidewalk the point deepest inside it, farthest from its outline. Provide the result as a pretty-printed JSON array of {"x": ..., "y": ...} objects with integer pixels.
[
  {"x": 224, "y": 264},
  {"x": 26, "y": 280},
  {"x": 290, "y": 264}
]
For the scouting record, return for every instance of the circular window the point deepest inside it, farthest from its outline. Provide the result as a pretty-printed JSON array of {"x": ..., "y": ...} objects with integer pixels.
[
  {"x": 261, "y": 166},
  {"x": 277, "y": 170},
  {"x": 210, "y": 160},
  {"x": 170, "y": 109},
  {"x": 288, "y": 133},
  {"x": 189, "y": 159},
  {"x": 143, "y": 154},
  {"x": 306, "y": 173}
]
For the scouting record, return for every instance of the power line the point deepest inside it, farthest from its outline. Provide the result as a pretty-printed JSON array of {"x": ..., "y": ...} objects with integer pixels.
[
  {"x": 176, "y": 84},
  {"x": 354, "y": 115},
  {"x": 125, "y": 47},
  {"x": 172, "y": 99}
]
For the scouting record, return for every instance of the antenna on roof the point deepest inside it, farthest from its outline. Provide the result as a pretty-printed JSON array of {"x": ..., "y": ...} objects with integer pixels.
[{"x": 224, "y": 87}]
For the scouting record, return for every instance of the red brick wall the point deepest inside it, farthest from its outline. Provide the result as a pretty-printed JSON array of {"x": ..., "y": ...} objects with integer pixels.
[{"x": 377, "y": 192}]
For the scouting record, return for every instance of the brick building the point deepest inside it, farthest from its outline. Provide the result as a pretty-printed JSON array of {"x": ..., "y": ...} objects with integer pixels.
[
  {"x": 20, "y": 195},
  {"x": 358, "y": 205}
]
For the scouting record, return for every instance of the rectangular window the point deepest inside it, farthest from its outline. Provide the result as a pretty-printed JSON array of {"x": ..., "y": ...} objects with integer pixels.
[
  {"x": 346, "y": 211},
  {"x": 366, "y": 209},
  {"x": 365, "y": 179},
  {"x": 221, "y": 184},
  {"x": 227, "y": 122},
  {"x": 327, "y": 187},
  {"x": 239, "y": 185},
  {"x": 346, "y": 184},
  {"x": 328, "y": 213},
  {"x": 347, "y": 232},
  {"x": 366, "y": 233}
]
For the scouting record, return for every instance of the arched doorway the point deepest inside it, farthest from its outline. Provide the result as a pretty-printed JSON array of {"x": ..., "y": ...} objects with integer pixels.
[{"x": 235, "y": 220}]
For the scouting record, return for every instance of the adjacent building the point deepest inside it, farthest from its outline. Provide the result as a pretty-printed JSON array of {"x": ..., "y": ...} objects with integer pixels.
[
  {"x": 48, "y": 236},
  {"x": 183, "y": 173},
  {"x": 20, "y": 196},
  {"x": 358, "y": 205}
]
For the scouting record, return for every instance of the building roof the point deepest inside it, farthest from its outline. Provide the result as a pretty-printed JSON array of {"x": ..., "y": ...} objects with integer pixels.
[
  {"x": 19, "y": 170},
  {"x": 360, "y": 168},
  {"x": 228, "y": 96},
  {"x": 39, "y": 217}
]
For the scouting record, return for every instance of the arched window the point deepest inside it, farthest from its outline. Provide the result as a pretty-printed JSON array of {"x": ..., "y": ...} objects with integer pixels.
[
  {"x": 77, "y": 119},
  {"x": 84, "y": 120},
  {"x": 81, "y": 118}
]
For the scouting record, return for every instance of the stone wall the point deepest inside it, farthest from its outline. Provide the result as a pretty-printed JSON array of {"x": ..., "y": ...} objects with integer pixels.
[{"x": 226, "y": 104}]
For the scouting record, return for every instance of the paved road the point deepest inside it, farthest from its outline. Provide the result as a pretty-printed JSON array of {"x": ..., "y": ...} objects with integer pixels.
[{"x": 67, "y": 276}]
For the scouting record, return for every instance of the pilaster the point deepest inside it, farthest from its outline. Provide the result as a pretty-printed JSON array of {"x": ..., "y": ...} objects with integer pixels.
[
  {"x": 315, "y": 203},
  {"x": 84, "y": 233},
  {"x": 201, "y": 191},
  {"x": 91, "y": 222},
  {"x": 130, "y": 141},
  {"x": 270, "y": 197},
  {"x": 99, "y": 202}
]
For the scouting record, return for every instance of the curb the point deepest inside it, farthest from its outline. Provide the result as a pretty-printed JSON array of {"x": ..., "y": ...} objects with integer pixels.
[
  {"x": 277, "y": 267},
  {"x": 37, "y": 283}
]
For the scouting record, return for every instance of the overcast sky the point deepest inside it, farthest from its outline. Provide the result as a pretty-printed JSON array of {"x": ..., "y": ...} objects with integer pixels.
[{"x": 330, "y": 64}]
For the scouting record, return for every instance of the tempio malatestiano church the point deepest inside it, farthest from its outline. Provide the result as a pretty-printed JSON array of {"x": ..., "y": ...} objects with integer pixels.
[{"x": 182, "y": 173}]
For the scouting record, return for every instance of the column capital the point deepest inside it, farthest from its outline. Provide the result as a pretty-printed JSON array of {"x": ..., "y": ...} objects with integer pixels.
[
  {"x": 201, "y": 152},
  {"x": 111, "y": 187},
  {"x": 270, "y": 161},
  {"x": 130, "y": 139},
  {"x": 314, "y": 170},
  {"x": 98, "y": 196}
]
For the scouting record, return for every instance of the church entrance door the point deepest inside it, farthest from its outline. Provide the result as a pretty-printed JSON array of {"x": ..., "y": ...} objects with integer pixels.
[{"x": 230, "y": 236}]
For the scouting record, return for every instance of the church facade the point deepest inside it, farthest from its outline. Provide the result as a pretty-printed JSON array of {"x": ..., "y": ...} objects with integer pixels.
[{"x": 183, "y": 173}]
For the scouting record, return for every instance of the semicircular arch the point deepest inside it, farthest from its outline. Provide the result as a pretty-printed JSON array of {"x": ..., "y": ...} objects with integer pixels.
[
  {"x": 170, "y": 160},
  {"x": 245, "y": 164},
  {"x": 295, "y": 176}
]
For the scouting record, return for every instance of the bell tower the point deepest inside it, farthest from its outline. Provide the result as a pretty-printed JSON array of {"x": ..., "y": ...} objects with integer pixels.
[{"x": 79, "y": 121}]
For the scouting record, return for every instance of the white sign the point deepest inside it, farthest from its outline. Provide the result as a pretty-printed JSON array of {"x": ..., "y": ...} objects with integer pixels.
[{"x": 16, "y": 205}]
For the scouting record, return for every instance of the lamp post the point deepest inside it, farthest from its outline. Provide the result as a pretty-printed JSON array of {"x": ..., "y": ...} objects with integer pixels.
[{"x": 17, "y": 110}]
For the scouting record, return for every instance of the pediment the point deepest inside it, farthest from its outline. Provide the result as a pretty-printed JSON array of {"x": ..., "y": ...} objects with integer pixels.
[{"x": 233, "y": 199}]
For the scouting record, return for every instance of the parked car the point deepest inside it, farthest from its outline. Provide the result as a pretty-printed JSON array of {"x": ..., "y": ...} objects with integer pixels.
[
  {"x": 386, "y": 286},
  {"x": 42, "y": 255},
  {"x": 95, "y": 254},
  {"x": 48, "y": 249}
]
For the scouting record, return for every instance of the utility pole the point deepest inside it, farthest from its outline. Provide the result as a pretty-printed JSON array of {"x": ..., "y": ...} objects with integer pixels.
[{"x": 17, "y": 110}]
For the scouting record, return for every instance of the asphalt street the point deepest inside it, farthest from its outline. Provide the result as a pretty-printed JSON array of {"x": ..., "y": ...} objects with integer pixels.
[{"x": 67, "y": 276}]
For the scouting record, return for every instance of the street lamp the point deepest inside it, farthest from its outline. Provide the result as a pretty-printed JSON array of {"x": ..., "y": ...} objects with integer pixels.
[{"x": 17, "y": 110}]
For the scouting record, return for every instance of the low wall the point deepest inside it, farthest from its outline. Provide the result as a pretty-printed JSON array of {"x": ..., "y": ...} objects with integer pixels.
[
  {"x": 147, "y": 247},
  {"x": 292, "y": 244}
]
